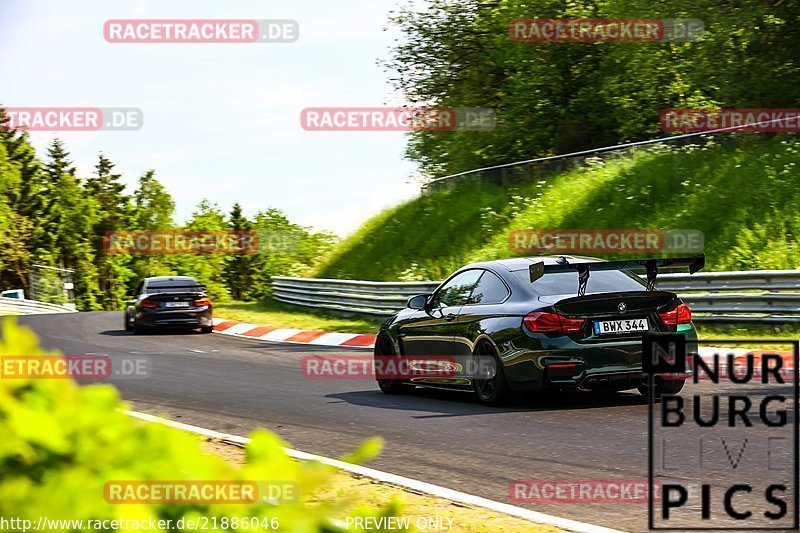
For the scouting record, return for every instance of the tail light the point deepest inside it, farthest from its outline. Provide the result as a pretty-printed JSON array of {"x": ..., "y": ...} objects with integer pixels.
[
  {"x": 679, "y": 315},
  {"x": 202, "y": 302},
  {"x": 148, "y": 303},
  {"x": 563, "y": 366},
  {"x": 544, "y": 322}
]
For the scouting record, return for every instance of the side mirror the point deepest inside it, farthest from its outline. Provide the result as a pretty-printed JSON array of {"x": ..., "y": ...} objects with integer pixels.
[{"x": 417, "y": 302}]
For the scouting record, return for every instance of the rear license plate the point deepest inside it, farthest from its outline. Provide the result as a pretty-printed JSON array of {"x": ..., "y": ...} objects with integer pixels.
[
  {"x": 609, "y": 327},
  {"x": 176, "y": 304}
]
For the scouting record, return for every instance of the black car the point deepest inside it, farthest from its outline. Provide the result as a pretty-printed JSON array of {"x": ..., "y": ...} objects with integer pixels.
[
  {"x": 169, "y": 302},
  {"x": 542, "y": 322}
]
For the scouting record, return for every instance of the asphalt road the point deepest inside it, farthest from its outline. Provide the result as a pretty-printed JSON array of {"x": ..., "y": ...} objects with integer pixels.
[{"x": 236, "y": 385}]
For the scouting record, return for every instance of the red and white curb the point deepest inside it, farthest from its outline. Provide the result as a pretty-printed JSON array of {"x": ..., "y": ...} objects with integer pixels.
[
  {"x": 399, "y": 481},
  {"x": 367, "y": 340},
  {"x": 301, "y": 336}
]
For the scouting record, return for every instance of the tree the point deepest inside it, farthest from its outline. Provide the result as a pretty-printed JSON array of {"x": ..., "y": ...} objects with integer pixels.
[
  {"x": 209, "y": 269},
  {"x": 285, "y": 249},
  {"x": 68, "y": 222},
  {"x": 554, "y": 98},
  {"x": 107, "y": 191},
  {"x": 239, "y": 268},
  {"x": 152, "y": 204},
  {"x": 20, "y": 181},
  {"x": 151, "y": 210}
]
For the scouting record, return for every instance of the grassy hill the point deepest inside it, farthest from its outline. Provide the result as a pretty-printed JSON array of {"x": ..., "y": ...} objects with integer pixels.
[{"x": 743, "y": 195}]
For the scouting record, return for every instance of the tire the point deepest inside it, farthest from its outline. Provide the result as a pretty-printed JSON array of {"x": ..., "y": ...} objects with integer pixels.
[
  {"x": 136, "y": 328},
  {"x": 662, "y": 387},
  {"x": 127, "y": 321},
  {"x": 493, "y": 391},
  {"x": 206, "y": 329},
  {"x": 385, "y": 346}
]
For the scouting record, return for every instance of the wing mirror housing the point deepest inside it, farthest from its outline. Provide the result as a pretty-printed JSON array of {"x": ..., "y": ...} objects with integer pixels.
[{"x": 420, "y": 301}]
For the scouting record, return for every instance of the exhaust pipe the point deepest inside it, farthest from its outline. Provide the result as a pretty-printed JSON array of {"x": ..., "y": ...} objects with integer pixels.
[
  {"x": 603, "y": 382},
  {"x": 591, "y": 383}
]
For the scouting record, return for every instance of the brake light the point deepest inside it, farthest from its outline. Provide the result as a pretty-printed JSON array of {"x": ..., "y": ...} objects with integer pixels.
[
  {"x": 147, "y": 302},
  {"x": 680, "y": 315},
  {"x": 562, "y": 365},
  {"x": 543, "y": 322},
  {"x": 202, "y": 302}
]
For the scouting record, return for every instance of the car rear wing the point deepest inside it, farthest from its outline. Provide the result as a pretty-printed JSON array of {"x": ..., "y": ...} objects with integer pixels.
[{"x": 651, "y": 266}]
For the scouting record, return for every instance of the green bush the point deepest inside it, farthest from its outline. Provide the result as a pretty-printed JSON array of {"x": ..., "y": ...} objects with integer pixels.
[{"x": 62, "y": 443}]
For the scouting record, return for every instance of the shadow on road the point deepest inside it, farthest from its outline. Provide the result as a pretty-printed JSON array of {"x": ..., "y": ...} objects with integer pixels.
[
  {"x": 456, "y": 403},
  {"x": 152, "y": 333}
]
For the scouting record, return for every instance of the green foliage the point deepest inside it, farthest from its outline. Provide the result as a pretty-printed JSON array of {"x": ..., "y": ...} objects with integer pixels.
[
  {"x": 561, "y": 97},
  {"x": 741, "y": 195},
  {"x": 286, "y": 249},
  {"x": 239, "y": 269},
  {"x": 52, "y": 216},
  {"x": 432, "y": 233},
  {"x": 207, "y": 268},
  {"x": 62, "y": 443},
  {"x": 152, "y": 205}
]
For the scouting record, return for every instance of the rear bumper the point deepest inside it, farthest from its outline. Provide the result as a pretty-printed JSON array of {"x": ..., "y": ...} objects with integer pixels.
[
  {"x": 596, "y": 380},
  {"x": 185, "y": 319},
  {"x": 569, "y": 365}
]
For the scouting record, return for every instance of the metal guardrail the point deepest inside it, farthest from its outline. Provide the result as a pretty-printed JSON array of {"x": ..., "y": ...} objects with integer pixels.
[
  {"x": 766, "y": 296},
  {"x": 497, "y": 173},
  {"x": 13, "y": 306}
]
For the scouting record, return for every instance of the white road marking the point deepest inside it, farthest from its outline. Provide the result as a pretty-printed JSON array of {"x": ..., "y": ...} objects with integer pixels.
[
  {"x": 280, "y": 334},
  {"x": 333, "y": 339},
  {"x": 240, "y": 328}
]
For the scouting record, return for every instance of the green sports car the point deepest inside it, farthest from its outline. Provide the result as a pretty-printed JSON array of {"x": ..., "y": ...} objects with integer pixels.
[{"x": 542, "y": 322}]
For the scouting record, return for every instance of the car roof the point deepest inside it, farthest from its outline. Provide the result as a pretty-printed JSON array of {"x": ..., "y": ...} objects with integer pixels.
[
  {"x": 513, "y": 264},
  {"x": 169, "y": 278}
]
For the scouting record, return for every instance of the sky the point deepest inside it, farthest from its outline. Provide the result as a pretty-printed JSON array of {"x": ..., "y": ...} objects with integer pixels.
[{"x": 221, "y": 121}]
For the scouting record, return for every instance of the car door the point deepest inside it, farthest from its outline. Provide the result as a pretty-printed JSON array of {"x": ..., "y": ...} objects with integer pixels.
[{"x": 432, "y": 330}]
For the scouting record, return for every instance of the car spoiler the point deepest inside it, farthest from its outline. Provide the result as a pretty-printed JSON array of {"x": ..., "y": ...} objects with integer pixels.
[{"x": 651, "y": 265}]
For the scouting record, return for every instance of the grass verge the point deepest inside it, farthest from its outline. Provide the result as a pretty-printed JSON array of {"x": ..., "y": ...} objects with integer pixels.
[
  {"x": 413, "y": 505},
  {"x": 708, "y": 334},
  {"x": 742, "y": 195}
]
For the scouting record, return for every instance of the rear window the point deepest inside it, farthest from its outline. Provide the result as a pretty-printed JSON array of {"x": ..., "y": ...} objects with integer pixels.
[
  {"x": 567, "y": 282},
  {"x": 173, "y": 286}
]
